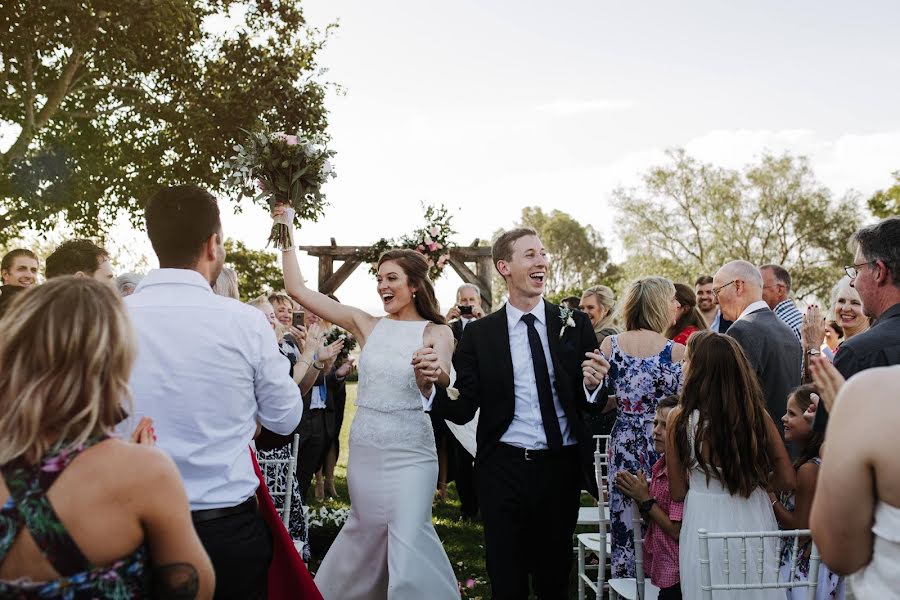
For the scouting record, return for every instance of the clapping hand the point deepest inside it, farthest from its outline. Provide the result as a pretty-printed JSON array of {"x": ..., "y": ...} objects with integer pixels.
[
  {"x": 345, "y": 369},
  {"x": 828, "y": 380},
  {"x": 594, "y": 369},
  {"x": 299, "y": 334},
  {"x": 328, "y": 352},
  {"x": 144, "y": 434},
  {"x": 633, "y": 486},
  {"x": 812, "y": 331}
]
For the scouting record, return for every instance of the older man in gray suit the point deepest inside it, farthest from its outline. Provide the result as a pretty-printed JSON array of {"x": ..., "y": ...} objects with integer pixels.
[{"x": 771, "y": 346}]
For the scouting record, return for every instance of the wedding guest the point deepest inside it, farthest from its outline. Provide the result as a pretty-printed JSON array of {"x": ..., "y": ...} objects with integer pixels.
[
  {"x": 875, "y": 274},
  {"x": 19, "y": 268},
  {"x": 847, "y": 309},
  {"x": 599, "y": 302},
  {"x": 67, "y": 351},
  {"x": 226, "y": 284},
  {"x": 127, "y": 282},
  {"x": 570, "y": 302},
  {"x": 82, "y": 258},
  {"x": 534, "y": 450},
  {"x": 661, "y": 514},
  {"x": 722, "y": 473},
  {"x": 207, "y": 372},
  {"x": 855, "y": 518},
  {"x": 792, "y": 507},
  {"x": 834, "y": 335},
  {"x": 645, "y": 366},
  {"x": 770, "y": 345},
  {"x": 709, "y": 305},
  {"x": 777, "y": 294},
  {"x": 688, "y": 319}
]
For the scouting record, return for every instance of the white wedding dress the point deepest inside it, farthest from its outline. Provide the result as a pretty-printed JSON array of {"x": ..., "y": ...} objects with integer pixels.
[
  {"x": 388, "y": 548},
  {"x": 709, "y": 506}
]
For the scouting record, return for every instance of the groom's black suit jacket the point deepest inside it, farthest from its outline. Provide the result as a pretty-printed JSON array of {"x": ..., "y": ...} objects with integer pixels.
[{"x": 484, "y": 378}]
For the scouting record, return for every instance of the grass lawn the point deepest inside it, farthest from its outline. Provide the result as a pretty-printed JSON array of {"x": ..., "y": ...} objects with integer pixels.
[{"x": 463, "y": 541}]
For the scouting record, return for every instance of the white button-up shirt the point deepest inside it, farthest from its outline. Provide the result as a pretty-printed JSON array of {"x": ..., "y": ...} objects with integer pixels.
[
  {"x": 527, "y": 427},
  {"x": 755, "y": 306},
  {"x": 207, "y": 369}
]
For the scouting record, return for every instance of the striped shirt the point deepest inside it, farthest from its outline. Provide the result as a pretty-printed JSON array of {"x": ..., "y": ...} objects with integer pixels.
[{"x": 787, "y": 312}]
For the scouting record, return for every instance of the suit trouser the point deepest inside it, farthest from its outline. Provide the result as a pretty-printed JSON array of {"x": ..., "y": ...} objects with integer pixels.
[
  {"x": 529, "y": 509},
  {"x": 240, "y": 548},
  {"x": 312, "y": 446},
  {"x": 465, "y": 479}
]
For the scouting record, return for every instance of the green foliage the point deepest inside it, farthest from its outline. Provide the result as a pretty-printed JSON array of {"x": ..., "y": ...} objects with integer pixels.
[
  {"x": 578, "y": 258},
  {"x": 257, "y": 271},
  {"x": 110, "y": 99},
  {"x": 689, "y": 218},
  {"x": 886, "y": 203}
]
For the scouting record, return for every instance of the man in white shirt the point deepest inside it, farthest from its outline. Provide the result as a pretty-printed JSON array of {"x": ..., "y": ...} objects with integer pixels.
[
  {"x": 769, "y": 344},
  {"x": 207, "y": 371}
]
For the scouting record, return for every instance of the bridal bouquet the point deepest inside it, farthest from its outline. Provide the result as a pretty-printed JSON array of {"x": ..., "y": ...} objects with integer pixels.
[{"x": 279, "y": 168}]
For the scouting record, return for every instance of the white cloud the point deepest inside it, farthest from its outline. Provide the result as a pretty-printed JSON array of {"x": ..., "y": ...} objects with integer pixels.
[{"x": 580, "y": 107}]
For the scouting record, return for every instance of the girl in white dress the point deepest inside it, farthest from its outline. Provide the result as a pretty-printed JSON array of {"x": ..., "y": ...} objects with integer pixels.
[
  {"x": 388, "y": 549},
  {"x": 721, "y": 423}
]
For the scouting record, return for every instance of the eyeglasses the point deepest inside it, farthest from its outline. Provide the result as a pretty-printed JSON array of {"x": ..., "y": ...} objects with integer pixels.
[
  {"x": 716, "y": 291},
  {"x": 853, "y": 270}
]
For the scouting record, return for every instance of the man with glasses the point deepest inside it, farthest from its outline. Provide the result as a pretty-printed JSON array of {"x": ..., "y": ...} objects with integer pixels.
[
  {"x": 769, "y": 344},
  {"x": 875, "y": 273}
]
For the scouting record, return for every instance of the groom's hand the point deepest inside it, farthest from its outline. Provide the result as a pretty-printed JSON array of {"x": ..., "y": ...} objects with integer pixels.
[{"x": 594, "y": 369}]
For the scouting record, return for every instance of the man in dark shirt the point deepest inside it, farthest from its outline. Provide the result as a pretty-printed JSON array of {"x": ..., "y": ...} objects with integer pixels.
[{"x": 875, "y": 274}]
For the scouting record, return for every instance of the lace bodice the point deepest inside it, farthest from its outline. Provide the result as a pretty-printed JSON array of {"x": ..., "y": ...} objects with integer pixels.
[{"x": 388, "y": 399}]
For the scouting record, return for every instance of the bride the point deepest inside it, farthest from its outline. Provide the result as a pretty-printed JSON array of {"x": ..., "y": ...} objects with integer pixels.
[{"x": 388, "y": 548}]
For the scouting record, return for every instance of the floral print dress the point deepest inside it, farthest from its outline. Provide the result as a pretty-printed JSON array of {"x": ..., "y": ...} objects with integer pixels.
[
  {"x": 639, "y": 384},
  {"x": 28, "y": 507}
]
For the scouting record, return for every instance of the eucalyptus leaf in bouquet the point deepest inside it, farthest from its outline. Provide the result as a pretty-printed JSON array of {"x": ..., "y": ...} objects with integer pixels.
[{"x": 279, "y": 168}]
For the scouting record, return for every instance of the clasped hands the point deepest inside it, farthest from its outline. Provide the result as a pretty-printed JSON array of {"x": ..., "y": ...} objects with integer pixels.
[
  {"x": 594, "y": 370},
  {"x": 427, "y": 369}
]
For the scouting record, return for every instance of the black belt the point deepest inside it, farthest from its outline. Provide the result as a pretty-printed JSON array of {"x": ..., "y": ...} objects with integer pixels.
[
  {"x": 201, "y": 516},
  {"x": 529, "y": 455}
]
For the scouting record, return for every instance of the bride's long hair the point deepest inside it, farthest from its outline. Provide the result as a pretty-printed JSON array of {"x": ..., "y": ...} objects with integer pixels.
[
  {"x": 416, "y": 269},
  {"x": 732, "y": 431}
]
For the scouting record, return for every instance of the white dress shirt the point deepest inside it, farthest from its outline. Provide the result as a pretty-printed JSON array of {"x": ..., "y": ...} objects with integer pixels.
[
  {"x": 207, "y": 369},
  {"x": 752, "y": 308}
]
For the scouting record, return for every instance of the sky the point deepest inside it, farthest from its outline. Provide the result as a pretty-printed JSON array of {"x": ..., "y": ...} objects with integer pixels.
[{"x": 491, "y": 106}]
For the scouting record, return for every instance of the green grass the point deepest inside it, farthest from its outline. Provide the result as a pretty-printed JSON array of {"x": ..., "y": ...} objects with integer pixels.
[{"x": 463, "y": 541}]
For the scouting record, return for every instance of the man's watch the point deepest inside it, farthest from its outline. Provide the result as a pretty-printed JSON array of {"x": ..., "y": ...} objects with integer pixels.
[{"x": 645, "y": 506}]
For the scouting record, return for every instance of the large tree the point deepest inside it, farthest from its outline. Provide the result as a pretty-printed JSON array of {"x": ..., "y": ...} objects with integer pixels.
[
  {"x": 689, "y": 218},
  {"x": 578, "y": 257},
  {"x": 109, "y": 99},
  {"x": 886, "y": 203},
  {"x": 257, "y": 271}
]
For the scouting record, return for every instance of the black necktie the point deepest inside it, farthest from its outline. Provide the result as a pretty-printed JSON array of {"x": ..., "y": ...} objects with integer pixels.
[{"x": 545, "y": 392}]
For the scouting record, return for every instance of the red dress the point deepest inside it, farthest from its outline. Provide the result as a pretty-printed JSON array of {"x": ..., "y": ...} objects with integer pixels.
[
  {"x": 682, "y": 338},
  {"x": 289, "y": 578}
]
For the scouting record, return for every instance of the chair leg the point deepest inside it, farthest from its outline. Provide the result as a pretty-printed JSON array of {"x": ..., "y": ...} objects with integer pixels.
[{"x": 581, "y": 571}]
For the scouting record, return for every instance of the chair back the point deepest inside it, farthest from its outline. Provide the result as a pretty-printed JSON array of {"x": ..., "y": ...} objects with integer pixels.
[
  {"x": 272, "y": 468},
  {"x": 638, "y": 557},
  {"x": 757, "y": 564}
]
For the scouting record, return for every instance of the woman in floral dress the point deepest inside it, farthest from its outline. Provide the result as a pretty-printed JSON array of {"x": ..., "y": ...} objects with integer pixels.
[{"x": 645, "y": 367}]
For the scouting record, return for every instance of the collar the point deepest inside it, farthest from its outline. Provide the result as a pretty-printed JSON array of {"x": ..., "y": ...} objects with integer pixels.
[
  {"x": 787, "y": 303},
  {"x": 658, "y": 471},
  {"x": 890, "y": 313},
  {"x": 514, "y": 315},
  {"x": 173, "y": 277},
  {"x": 758, "y": 305}
]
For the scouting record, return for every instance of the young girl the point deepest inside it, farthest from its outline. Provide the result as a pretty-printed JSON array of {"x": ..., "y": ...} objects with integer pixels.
[{"x": 792, "y": 508}]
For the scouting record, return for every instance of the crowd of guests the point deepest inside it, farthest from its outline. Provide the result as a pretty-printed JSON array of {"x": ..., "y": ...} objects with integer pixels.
[{"x": 717, "y": 402}]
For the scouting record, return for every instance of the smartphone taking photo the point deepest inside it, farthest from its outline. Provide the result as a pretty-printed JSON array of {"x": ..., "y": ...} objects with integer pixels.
[{"x": 298, "y": 319}]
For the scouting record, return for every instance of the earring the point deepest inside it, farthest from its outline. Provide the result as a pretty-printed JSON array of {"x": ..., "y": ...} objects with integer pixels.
[{"x": 414, "y": 294}]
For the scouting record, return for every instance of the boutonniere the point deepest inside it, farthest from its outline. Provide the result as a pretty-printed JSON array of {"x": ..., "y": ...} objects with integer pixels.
[{"x": 565, "y": 315}]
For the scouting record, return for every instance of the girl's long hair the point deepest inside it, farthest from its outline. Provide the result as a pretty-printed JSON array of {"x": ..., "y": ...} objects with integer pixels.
[
  {"x": 803, "y": 395},
  {"x": 733, "y": 426},
  {"x": 416, "y": 269},
  {"x": 67, "y": 350},
  {"x": 691, "y": 317}
]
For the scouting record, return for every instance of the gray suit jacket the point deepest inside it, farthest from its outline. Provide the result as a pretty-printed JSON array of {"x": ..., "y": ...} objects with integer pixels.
[{"x": 775, "y": 354}]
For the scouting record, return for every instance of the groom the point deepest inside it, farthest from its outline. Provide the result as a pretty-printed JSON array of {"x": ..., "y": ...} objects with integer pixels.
[{"x": 532, "y": 370}]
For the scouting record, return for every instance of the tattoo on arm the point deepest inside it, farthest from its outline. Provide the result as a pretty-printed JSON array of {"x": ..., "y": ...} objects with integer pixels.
[{"x": 177, "y": 581}]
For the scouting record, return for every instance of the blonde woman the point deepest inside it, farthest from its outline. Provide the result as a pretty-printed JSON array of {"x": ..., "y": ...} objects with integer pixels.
[
  {"x": 67, "y": 352},
  {"x": 599, "y": 302},
  {"x": 645, "y": 366}
]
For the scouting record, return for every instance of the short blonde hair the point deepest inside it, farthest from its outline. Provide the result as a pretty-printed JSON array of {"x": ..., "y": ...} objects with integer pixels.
[
  {"x": 67, "y": 350},
  {"x": 607, "y": 299},
  {"x": 227, "y": 284},
  {"x": 646, "y": 304}
]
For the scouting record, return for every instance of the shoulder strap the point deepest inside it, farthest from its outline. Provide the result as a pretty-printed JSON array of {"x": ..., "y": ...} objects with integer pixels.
[{"x": 28, "y": 486}]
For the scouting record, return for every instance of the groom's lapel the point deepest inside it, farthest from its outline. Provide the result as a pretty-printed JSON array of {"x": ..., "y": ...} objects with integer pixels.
[
  {"x": 500, "y": 333},
  {"x": 554, "y": 326}
]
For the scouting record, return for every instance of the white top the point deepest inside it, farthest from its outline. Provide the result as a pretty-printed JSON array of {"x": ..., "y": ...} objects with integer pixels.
[
  {"x": 752, "y": 308},
  {"x": 881, "y": 577},
  {"x": 527, "y": 427},
  {"x": 207, "y": 369}
]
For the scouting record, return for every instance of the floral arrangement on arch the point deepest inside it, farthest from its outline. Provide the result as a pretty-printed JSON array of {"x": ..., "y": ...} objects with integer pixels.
[
  {"x": 280, "y": 168},
  {"x": 432, "y": 240}
]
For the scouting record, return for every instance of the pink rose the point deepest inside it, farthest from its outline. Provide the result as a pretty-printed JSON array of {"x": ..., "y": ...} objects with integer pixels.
[
  {"x": 470, "y": 583},
  {"x": 439, "y": 245},
  {"x": 420, "y": 248},
  {"x": 291, "y": 140},
  {"x": 441, "y": 262},
  {"x": 432, "y": 247},
  {"x": 434, "y": 230}
]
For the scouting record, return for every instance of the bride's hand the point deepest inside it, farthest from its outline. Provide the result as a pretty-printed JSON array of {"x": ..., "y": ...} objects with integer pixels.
[{"x": 283, "y": 209}]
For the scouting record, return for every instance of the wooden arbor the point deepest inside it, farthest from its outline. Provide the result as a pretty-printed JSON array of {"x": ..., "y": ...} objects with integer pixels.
[{"x": 460, "y": 258}]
